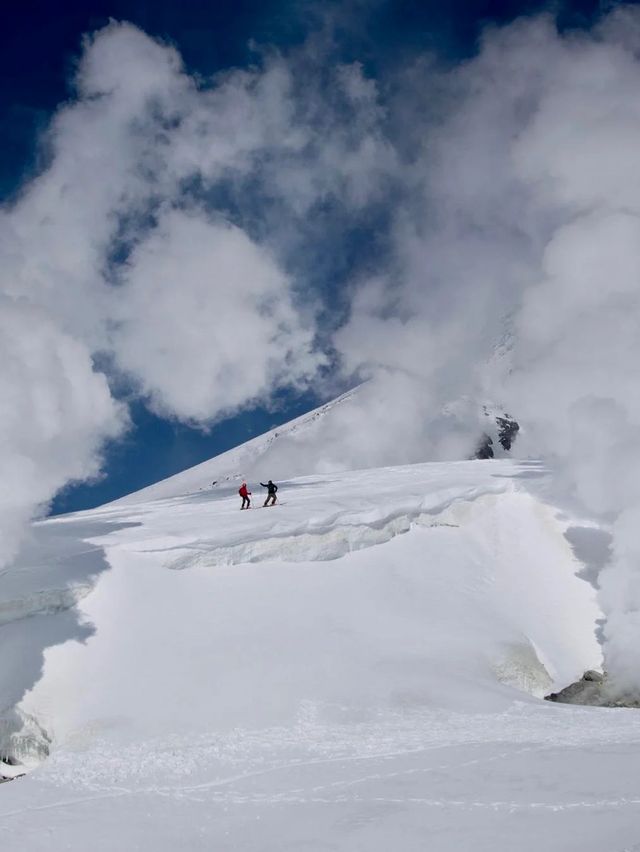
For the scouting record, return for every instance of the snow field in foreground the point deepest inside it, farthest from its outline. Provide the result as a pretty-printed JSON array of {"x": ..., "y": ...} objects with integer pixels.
[{"x": 355, "y": 669}]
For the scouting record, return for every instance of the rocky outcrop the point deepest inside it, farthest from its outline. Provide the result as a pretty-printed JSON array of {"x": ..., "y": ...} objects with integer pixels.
[
  {"x": 484, "y": 450},
  {"x": 508, "y": 428},
  {"x": 503, "y": 431},
  {"x": 593, "y": 690}
]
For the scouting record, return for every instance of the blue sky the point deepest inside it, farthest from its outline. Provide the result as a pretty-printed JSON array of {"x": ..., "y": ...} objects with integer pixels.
[{"x": 40, "y": 47}]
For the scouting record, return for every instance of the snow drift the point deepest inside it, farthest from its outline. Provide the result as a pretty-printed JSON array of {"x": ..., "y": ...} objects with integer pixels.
[{"x": 359, "y": 666}]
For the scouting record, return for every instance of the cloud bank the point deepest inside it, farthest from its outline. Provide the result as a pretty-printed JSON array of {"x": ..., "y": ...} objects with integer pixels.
[
  {"x": 457, "y": 235},
  {"x": 115, "y": 255},
  {"x": 530, "y": 220}
]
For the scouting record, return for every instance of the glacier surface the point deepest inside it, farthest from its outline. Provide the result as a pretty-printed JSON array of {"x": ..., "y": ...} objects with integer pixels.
[{"x": 359, "y": 667}]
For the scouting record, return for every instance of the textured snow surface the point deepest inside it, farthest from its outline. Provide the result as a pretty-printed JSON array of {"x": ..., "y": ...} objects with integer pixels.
[{"x": 359, "y": 668}]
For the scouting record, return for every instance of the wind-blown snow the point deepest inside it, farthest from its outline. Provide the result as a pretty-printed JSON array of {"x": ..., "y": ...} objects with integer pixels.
[{"x": 358, "y": 667}]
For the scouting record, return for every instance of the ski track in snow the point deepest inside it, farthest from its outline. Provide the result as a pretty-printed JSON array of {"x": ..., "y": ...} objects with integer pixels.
[
  {"x": 312, "y": 794},
  {"x": 399, "y": 736}
]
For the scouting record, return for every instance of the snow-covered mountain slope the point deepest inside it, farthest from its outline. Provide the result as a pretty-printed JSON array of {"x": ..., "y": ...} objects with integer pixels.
[
  {"x": 254, "y": 457},
  {"x": 309, "y": 443},
  {"x": 359, "y": 667}
]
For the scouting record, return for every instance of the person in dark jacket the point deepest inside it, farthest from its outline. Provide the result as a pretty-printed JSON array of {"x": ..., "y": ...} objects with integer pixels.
[
  {"x": 271, "y": 495},
  {"x": 245, "y": 494}
]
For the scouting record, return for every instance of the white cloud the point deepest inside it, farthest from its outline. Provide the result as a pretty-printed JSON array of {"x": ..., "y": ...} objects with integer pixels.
[
  {"x": 524, "y": 218},
  {"x": 205, "y": 319},
  {"x": 172, "y": 213},
  {"x": 56, "y": 412},
  {"x": 98, "y": 259},
  {"x": 158, "y": 238}
]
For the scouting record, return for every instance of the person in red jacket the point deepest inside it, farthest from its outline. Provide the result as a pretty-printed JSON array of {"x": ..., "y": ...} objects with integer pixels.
[{"x": 242, "y": 491}]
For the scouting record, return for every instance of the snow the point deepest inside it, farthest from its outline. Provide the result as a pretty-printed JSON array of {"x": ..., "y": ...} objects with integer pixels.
[
  {"x": 359, "y": 667},
  {"x": 253, "y": 456}
]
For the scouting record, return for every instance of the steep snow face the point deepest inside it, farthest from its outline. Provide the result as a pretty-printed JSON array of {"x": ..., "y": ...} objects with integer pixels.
[
  {"x": 255, "y": 457},
  {"x": 359, "y": 666}
]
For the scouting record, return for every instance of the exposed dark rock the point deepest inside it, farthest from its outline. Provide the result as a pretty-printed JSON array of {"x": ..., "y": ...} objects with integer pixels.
[
  {"x": 485, "y": 448},
  {"x": 4, "y": 779},
  {"x": 508, "y": 428},
  {"x": 591, "y": 675},
  {"x": 6, "y": 761},
  {"x": 500, "y": 429},
  {"x": 594, "y": 690}
]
